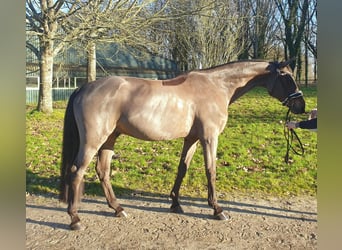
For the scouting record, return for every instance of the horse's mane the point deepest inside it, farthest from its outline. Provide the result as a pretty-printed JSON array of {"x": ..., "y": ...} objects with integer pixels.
[
  {"x": 182, "y": 77},
  {"x": 232, "y": 64}
]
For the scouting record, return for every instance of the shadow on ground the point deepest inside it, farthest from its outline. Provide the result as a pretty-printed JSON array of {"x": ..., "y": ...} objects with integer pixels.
[{"x": 158, "y": 203}]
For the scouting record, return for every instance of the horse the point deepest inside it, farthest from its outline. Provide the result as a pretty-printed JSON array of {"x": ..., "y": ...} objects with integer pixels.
[{"x": 192, "y": 106}]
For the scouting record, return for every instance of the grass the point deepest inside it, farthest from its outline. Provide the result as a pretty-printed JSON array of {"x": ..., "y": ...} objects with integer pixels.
[{"x": 250, "y": 155}]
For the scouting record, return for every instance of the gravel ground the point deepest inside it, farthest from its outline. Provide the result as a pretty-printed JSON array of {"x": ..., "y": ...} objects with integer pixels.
[{"x": 255, "y": 223}]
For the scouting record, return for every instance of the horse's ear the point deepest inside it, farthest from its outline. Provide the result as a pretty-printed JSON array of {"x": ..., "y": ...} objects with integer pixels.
[
  {"x": 286, "y": 63},
  {"x": 278, "y": 66}
]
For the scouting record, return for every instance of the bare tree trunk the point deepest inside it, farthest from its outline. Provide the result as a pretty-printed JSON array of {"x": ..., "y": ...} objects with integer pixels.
[
  {"x": 294, "y": 18},
  {"x": 315, "y": 69},
  {"x": 46, "y": 75},
  {"x": 299, "y": 65},
  {"x": 91, "y": 69},
  {"x": 306, "y": 61}
]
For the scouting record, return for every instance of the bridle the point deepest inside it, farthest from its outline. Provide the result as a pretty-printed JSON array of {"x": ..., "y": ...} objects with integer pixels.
[
  {"x": 286, "y": 101},
  {"x": 295, "y": 95},
  {"x": 290, "y": 134}
]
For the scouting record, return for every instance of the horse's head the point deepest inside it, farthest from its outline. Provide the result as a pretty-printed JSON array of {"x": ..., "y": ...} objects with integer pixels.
[{"x": 284, "y": 87}]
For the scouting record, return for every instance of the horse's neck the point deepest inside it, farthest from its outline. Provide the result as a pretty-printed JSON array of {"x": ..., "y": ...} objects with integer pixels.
[
  {"x": 240, "y": 91},
  {"x": 239, "y": 80}
]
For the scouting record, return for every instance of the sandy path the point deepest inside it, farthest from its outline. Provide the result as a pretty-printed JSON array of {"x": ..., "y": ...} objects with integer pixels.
[{"x": 255, "y": 223}]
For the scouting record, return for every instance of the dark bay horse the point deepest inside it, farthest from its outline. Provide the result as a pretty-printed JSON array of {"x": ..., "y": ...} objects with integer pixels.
[{"x": 193, "y": 106}]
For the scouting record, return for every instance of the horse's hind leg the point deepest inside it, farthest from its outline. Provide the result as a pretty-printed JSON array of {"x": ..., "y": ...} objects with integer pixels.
[
  {"x": 189, "y": 148},
  {"x": 103, "y": 171},
  {"x": 84, "y": 156}
]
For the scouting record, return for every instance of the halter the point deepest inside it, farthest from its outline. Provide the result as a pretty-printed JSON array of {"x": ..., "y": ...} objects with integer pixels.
[{"x": 291, "y": 97}]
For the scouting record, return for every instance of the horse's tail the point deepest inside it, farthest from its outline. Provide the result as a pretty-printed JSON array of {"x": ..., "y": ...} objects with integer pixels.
[{"x": 70, "y": 147}]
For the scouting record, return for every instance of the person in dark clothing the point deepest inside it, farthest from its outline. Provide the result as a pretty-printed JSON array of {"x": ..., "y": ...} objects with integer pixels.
[{"x": 307, "y": 124}]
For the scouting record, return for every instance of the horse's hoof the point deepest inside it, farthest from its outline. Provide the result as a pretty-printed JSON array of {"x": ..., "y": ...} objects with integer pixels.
[
  {"x": 75, "y": 226},
  {"x": 222, "y": 216},
  {"x": 121, "y": 214},
  {"x": 178, "y": 210}
]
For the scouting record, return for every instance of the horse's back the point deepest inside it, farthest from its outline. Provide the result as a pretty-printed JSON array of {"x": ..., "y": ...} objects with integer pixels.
[{"x": 101, "y": 86}]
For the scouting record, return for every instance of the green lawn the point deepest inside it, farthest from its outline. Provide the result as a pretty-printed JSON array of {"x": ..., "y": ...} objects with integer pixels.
[{"x": 250, "y": 155}]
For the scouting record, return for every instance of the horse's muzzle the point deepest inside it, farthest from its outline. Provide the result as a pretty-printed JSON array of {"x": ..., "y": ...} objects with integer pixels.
[
  {"x": 295, "y": 102},
  {"x": 297, "y": 106}
]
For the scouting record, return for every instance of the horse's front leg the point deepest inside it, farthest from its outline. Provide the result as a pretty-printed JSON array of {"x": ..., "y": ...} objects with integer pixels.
[
  {"x": 189, "y": 148},
  {"x": 209, "y": 151}
]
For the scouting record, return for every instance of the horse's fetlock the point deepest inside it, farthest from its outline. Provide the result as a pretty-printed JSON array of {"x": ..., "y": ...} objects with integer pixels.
[{"x": 218, "y": 210}]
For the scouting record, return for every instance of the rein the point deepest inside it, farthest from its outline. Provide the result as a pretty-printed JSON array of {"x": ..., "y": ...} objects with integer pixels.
[{"x": 289, "y": 135}]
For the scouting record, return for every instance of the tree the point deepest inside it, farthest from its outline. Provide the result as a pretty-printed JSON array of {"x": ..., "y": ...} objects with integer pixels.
[
  {"x": 310, "y": 41},
  {"x": 59, "y": 24},
  {"x": 217, "y": 33},
  {"x": 181, "y": 41},
  {"x": 259, "y": 29},
  {"x": 124, "y": 22},
  {"x": 207, "y": 38},
  {"x": 44, "y": 19},
  {"x": 311, "y": 34},
  {"x": 294, "y": 16},
  {"x": 263, "y": 28}
]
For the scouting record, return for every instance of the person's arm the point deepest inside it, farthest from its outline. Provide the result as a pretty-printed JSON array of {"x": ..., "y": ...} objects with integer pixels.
[{"x": 308, "y": 124}]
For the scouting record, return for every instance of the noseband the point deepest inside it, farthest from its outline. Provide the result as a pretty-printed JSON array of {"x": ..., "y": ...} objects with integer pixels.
[{"x": 292, "y": 96}]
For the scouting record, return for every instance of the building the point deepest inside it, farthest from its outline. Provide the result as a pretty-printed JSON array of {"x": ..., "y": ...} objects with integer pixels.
[{"x": 70, "y": 68}]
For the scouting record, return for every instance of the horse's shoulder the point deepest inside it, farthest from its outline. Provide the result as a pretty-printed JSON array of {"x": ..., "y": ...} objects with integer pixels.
[{"x": 175, "y": 81}]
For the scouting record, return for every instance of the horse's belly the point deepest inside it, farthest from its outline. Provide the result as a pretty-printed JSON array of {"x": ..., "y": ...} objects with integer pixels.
[
  {"x": 157, "y": 115},
  {"x": 156, "y": 126}
]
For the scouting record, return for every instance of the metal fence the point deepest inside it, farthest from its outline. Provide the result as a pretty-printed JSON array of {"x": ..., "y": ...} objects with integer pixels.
[
  {"x": 61, "y": 94},
  {"x": 62, "y": 87}
]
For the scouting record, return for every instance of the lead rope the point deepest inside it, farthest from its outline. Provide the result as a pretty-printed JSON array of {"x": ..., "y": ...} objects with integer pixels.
[{"x": 289, "y": 135}]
